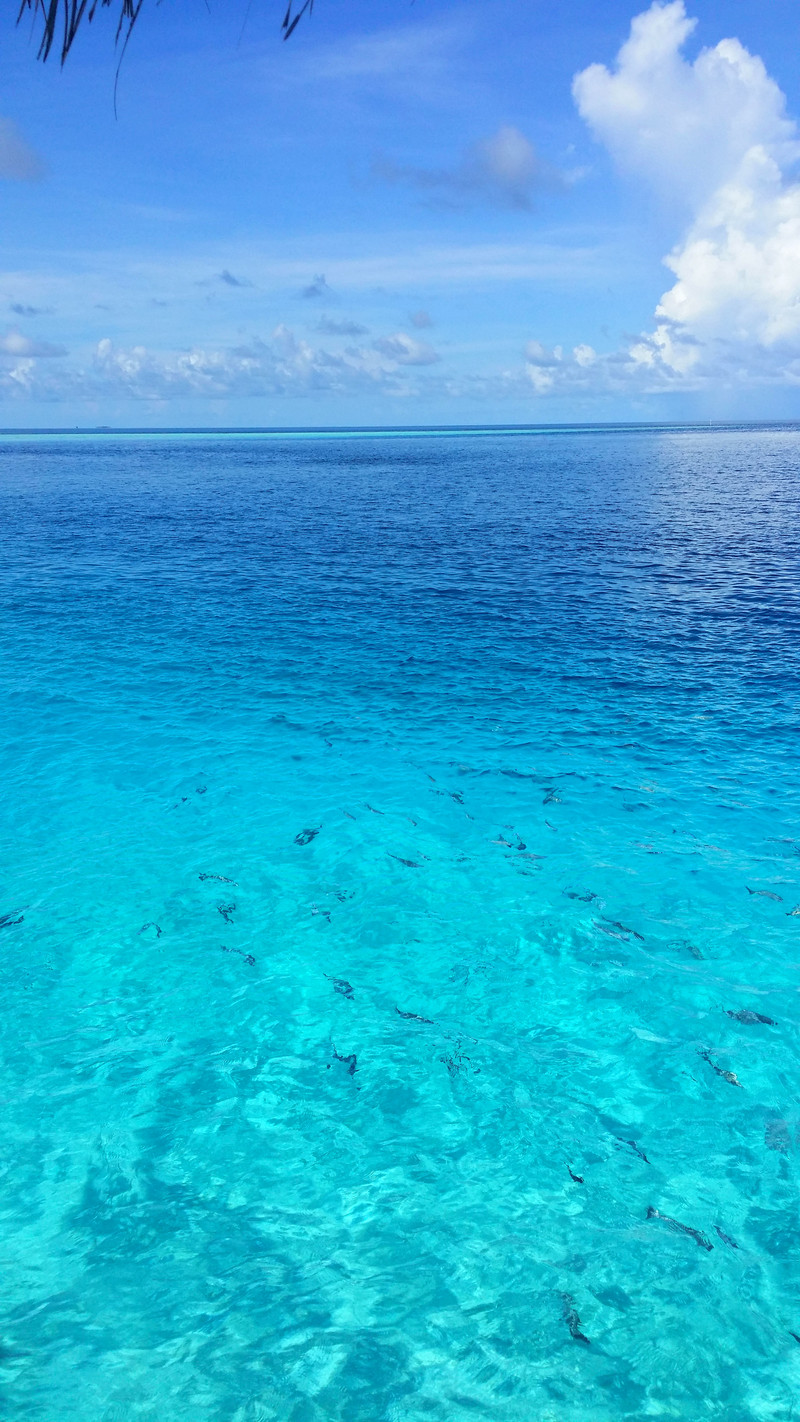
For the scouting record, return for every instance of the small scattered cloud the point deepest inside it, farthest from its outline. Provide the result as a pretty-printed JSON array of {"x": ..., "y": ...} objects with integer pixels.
[
  {"x": 539, "y": 356},
  {"x": 13, "y": 343},
  {"x": 405, "y": 350},
  {"x": 502, "y": 170},
  {"x": 415, "y": 61},
  {"x": 316, "y": 289},
  {"x": 328, "y": 327},
  {"x": 554, "y": 370},
  {"x": 18, "y": 161},
  {"x": 19, "y": 309},
  {"x": 421, "y": 320},
  {"x": 225, "y": 278},
  {"x": 230, "y": 280}
]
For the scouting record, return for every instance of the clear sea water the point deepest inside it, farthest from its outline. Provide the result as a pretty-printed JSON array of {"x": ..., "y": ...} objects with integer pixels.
[{"x": 390, "y": 829}]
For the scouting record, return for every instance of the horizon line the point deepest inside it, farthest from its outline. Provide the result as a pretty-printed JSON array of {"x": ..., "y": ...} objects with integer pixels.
[{"x": 398, "y": 431}]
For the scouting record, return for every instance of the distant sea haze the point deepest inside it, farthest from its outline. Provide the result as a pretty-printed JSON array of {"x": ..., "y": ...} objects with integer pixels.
[{"x": 393, "y": 431}]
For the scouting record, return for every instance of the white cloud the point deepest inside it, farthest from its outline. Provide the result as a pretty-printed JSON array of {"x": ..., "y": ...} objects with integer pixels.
[
  {"x": 507, "y": 164},
  {"x": 738, "y": 269},
  {"x": 14, "y": 344},
  {"x": 405, "y": 350},
  {"x": 555, "y": 370},
  {"x": 540, "y": 357},
  {"x": 503, "y": 169},
  {"x": 17, "y": 159},
  {"x": 415, "y": 62},
  {"x": 713, "y": 135},
  {"x": 283, "y": 365},
  {"x": 381, "y": 56},
  {"x": 685, "y": 126}
]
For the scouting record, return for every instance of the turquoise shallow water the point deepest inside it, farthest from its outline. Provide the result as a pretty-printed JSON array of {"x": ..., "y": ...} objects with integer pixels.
[{"x": 390, "y": 830}]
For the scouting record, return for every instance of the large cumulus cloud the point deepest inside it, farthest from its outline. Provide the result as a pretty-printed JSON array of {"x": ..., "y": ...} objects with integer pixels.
[{"x": 711, "y": 136}]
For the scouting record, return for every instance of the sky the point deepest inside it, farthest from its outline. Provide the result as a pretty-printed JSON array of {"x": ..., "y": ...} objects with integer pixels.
[{"x": 507, "y": 212}]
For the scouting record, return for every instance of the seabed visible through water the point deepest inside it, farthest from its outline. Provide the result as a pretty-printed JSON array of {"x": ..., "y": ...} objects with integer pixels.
[{"x": 400, "y": 927}]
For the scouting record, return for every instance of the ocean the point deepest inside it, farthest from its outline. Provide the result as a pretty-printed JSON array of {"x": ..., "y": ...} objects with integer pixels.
[{"x": 400, "y": 926}]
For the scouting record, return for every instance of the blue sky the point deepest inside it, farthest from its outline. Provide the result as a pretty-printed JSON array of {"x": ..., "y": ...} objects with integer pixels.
[{"x": 410, "y": 213}]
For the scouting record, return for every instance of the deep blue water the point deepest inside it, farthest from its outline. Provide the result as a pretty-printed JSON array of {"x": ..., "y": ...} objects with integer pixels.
[{"x": 390, "y": 831}]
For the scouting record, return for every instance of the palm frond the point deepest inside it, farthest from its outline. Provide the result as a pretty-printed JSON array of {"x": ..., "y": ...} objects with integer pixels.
[{"x": 61, "y": 20}]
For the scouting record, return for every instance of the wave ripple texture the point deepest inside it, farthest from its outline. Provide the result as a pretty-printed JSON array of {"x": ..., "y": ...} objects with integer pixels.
[{"x": 400, "y": 928}]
